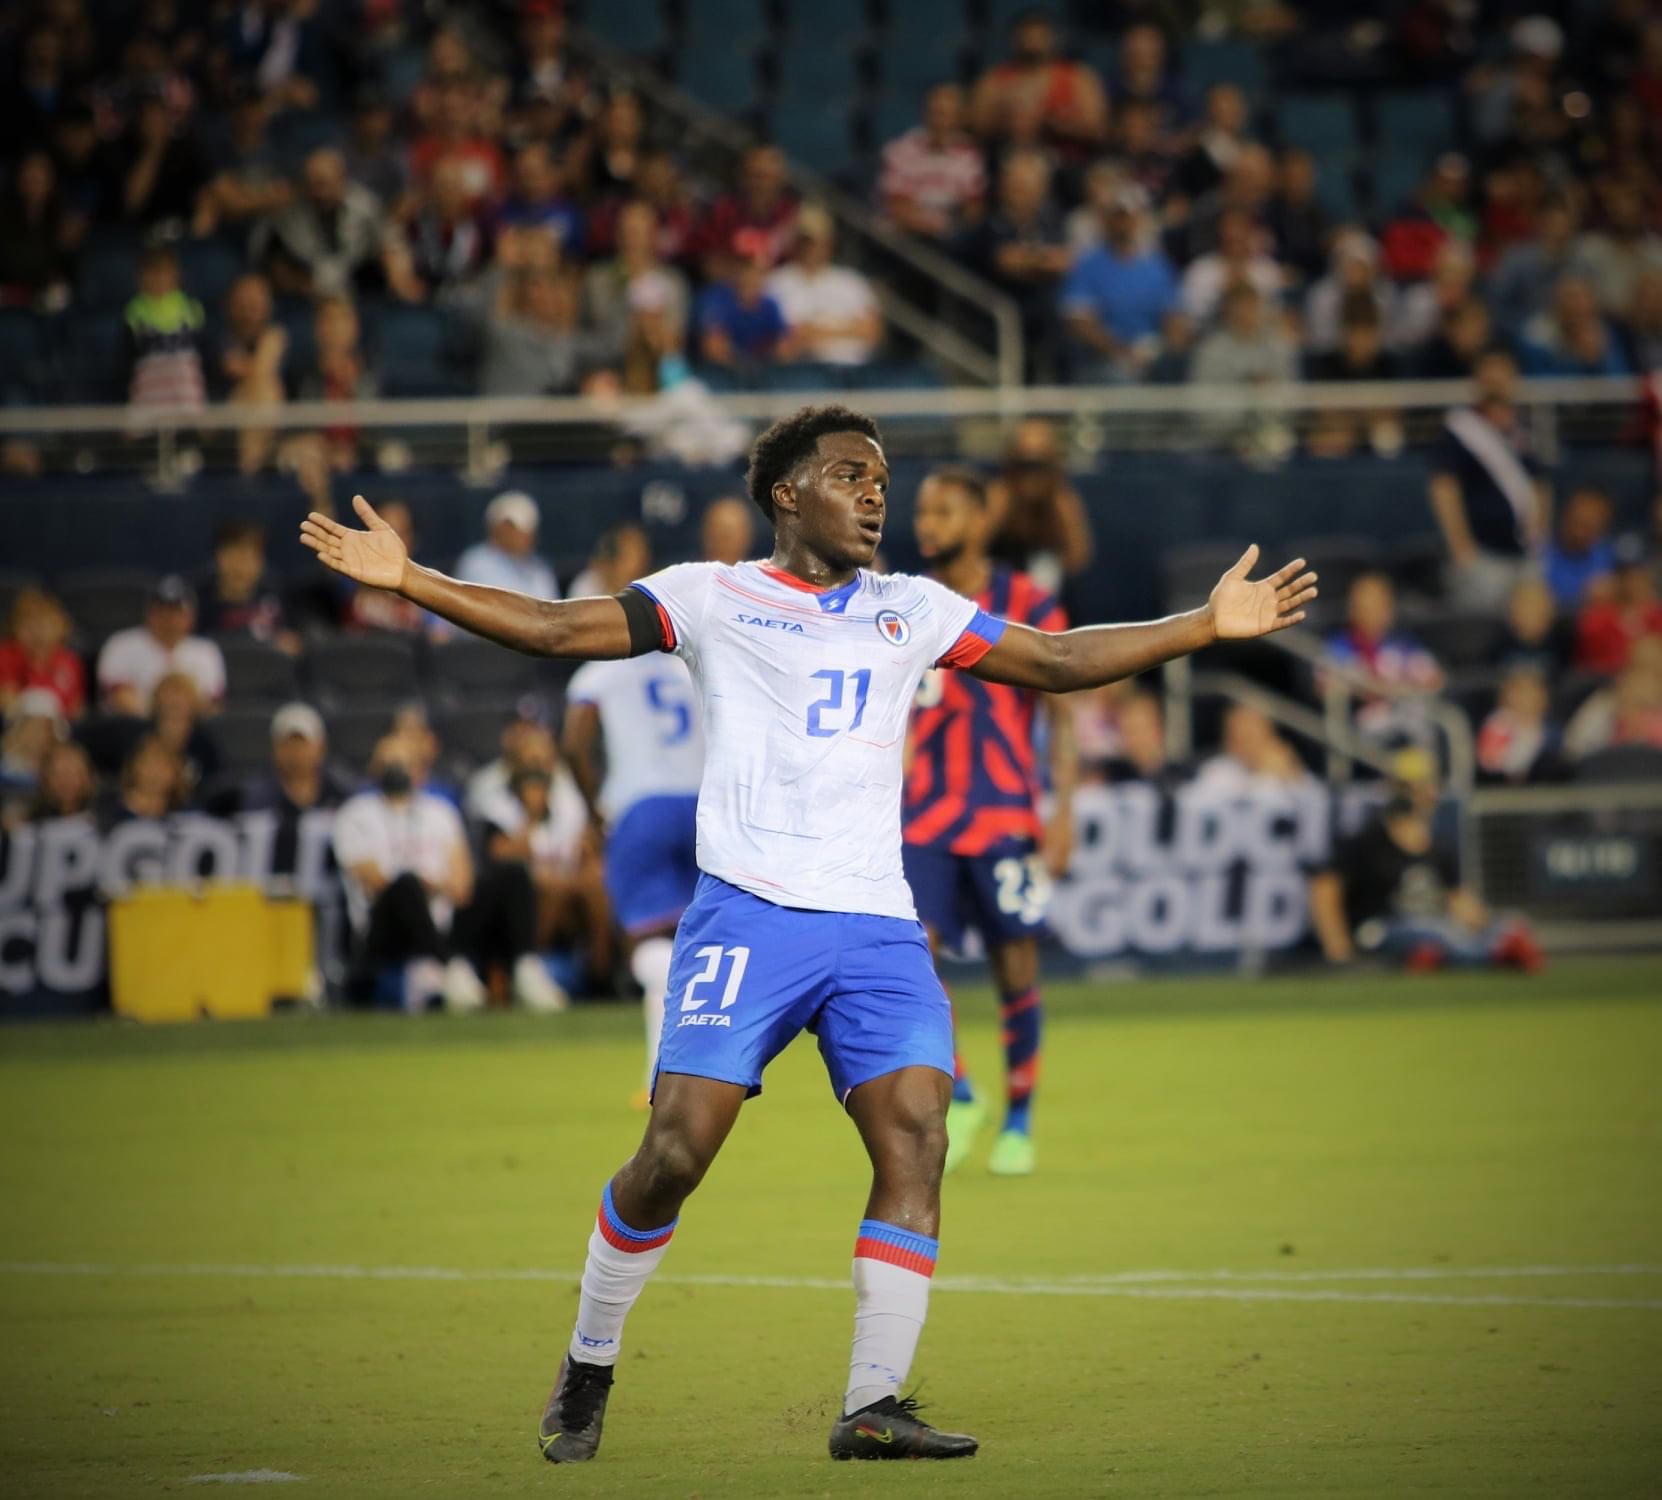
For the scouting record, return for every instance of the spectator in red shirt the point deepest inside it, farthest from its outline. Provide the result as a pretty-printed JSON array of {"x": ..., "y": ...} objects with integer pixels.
[
  {"x": 757, "y": 222},
  {"x": 1035, "y": 80},
  {"x": 35, "y": 656},
  {"x": 1620, "y": 611},
  {"x": 456, "y": 136},
  {"x": 1440, "y": 211}
]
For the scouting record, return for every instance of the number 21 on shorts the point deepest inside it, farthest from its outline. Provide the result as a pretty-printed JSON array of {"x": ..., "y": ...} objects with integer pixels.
[{"x": 712, "y": 954}]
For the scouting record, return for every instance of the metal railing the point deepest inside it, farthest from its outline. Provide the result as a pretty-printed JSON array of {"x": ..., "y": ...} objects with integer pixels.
[
  {"x": 480, "y": 435},
  {"x": 1338, "y": 686},
  {"x": 1507, "y": 836},
  {"x": 953, "y": 404}
]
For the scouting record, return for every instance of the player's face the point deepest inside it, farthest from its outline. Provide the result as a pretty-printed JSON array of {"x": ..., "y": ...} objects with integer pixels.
[
  {"x": 944, "y": 522},
  {"x": 841, "y": 505}
]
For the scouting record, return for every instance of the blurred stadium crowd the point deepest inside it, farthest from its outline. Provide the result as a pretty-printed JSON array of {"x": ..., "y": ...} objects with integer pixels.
[{"x": 288, "y": 198}]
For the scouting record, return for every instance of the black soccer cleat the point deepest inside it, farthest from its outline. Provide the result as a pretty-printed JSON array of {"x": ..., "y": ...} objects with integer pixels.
[
  {"x": 890, "y": 1429},
  {"x": 570, "y": 1429}
]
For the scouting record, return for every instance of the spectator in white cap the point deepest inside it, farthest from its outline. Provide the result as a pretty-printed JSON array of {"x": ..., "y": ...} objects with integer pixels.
[
  {"x": 1353, "y": 269},
  {"x": 33, "y": 726},
  {"x": 134, "y": 661},
  {"x": 299, "y": 781},
  {"x": 507, "y": 558}
]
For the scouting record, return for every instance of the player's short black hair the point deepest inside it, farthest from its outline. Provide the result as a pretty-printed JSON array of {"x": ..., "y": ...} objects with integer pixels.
[
  {"x": 963, "y": 478},
  {"x": 791, "y": 439}
]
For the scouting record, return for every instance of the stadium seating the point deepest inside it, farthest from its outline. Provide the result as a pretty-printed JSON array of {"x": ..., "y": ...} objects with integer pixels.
[
  {"x": 257, "y": 674},
  {"x": 380, "y": 670},
  {"x": 1397, "y": 172},
  {"x": 243, "y": 733},
  {"x": 1621, "y": 763},
  {"x": 103, "y": 601},
  {"x": 1459, "y": 639},
  {"x": 1225, "y": 60},
  {"x": 1324, "y": 123},
  {"x": 107, "y": 273},
  {"x": 474, "y": 734},
  {"x": 466, "y": 668},
  {"x": 92, "y": 357},
  {"x": 1414, "y": 119},
  {"x": 353, "y": 732},
  {"x": 634, "y": 25},
  {"x": 721, "y": 72},
  {"x": 23, "y": 357},
  {"x": 1190, "y": 572},
  {"x": 920, "y": 50},
  {"x": 208, "y": 267},
  {"x": 819, "y": 137},
  {"x": 412, "y": 346}
]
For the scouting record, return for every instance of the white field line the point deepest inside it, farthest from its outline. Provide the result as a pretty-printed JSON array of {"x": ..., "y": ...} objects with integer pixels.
[
  {"x": 249, "y": 1476},
  {"x": 1167, "y": 1285}
]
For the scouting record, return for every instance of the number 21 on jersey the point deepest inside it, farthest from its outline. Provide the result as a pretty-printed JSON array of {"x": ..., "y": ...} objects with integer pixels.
[
  {"x": 838, "y": 704},
  {"x": 712, "y": 955}
]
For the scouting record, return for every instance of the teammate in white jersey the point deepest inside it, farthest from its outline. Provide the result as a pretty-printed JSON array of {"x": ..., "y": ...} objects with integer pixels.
[
  {"x": 643, "y": 710},
  {"x": 805, "y": 668}
]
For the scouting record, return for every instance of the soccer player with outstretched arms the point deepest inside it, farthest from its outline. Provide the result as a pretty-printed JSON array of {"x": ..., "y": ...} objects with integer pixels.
[{"x": 806, "y": 666}]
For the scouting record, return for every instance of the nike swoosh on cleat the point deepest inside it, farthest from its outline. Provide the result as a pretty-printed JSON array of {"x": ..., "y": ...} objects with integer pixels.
[
  {"x": 549, "y": 1442},
  {"x": 885, "y": 1436}
]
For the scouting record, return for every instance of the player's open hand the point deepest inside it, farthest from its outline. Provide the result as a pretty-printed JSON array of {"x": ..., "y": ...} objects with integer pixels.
[
  {"x": 376, "y": 556},
  {"x": 1242, "y": 609}
]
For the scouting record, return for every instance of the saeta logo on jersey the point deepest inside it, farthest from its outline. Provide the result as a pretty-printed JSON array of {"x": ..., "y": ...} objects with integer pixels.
[
  {"x": 761, "y": 622},
  {"x": 893, "y": 628}
]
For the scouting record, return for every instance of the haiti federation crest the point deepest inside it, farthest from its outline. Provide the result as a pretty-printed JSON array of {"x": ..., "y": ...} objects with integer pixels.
[{"x": 893, "y": 628}]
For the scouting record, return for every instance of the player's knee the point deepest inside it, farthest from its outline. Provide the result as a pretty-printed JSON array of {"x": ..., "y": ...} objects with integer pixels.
[
  {"x": 671, "y": 1164},
  {"x": 915, "y": 1142}
]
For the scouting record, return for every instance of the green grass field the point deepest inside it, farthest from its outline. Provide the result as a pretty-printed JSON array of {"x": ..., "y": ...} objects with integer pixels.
[{"x": 1439, "y": 1203}]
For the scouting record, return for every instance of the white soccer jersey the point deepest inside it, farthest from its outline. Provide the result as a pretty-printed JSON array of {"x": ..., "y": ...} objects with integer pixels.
[
  {"x": 805, "y": 696},
  {"x": 649, "y": 715}
]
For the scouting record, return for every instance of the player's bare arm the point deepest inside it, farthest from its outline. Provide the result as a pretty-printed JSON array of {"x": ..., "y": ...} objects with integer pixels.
[
  {"x": 582, "y": 629},
  {"x": 1240, "y": 609},
  {"x": 580, "y": 744}
]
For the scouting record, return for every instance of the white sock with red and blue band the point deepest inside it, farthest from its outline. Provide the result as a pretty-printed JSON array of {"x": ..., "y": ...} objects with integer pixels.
[
  {"x": 620, "y": 1261},
  {"x": 892, "y": 1267}
]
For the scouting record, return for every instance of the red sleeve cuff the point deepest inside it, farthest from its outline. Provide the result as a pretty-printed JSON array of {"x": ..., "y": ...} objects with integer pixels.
[{"x": 980, "y": 636}]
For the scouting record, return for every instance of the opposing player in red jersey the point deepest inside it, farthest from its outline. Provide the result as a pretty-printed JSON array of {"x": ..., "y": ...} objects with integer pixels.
[{"x": 976, "y": 850}]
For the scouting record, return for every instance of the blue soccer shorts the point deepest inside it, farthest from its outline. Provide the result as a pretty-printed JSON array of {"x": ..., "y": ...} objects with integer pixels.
[
  {"x": 747, "y": 976},
  {"x": 652, "y": 863},
  {"x": 1002, "y": 894}
]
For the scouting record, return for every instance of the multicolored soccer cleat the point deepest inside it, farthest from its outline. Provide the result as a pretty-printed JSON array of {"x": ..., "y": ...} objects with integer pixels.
[
  {"x": 570, "y": 1429},
  {"x": 890, "y": 1429}
]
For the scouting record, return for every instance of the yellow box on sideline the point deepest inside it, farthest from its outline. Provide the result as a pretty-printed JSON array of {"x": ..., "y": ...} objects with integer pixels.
[{"x": 227, "y": 951}]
